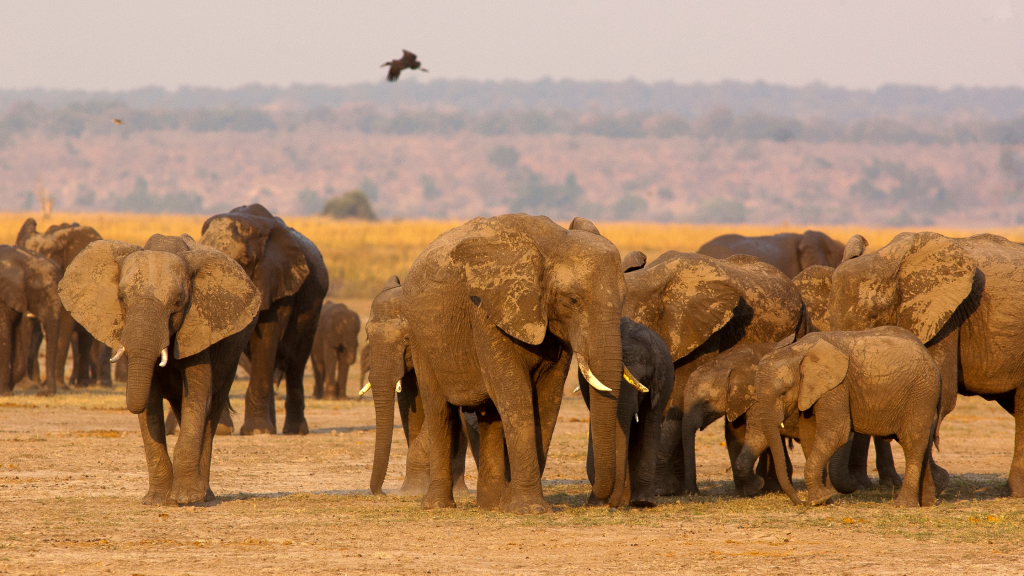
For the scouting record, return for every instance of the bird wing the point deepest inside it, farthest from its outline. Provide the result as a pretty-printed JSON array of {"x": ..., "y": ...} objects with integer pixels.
[
  {"x": 408, "y": 57},
  {"x": 396, "y": 68}
]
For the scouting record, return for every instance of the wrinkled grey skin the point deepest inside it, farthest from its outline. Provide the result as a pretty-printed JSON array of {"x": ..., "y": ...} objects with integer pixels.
[
  {"x": 645, "y": 355},
  {"x": 496, "y": 308},
  {"x": 62, "y": 243},
  {"x": 28, "y": 285},
  {"x": 961, "y": 297},
  {"x": 292, "y": 279},
  {"x": 702, "y": 306},
  {"x": 193, "y": 302},
  {"x": 389, "y": 354},
  {"x": 334, "y": 350},
  {"x": 878, "y": 382},
  {"x": 724, "y": 386},
  {"x": 789, "y": 252}
]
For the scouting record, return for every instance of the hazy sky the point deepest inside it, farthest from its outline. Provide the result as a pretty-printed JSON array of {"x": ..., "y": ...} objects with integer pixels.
[{"x": 107, "y": 44}]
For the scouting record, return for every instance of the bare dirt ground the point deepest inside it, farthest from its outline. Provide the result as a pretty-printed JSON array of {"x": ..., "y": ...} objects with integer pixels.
[{"x": 73, "y": 474}]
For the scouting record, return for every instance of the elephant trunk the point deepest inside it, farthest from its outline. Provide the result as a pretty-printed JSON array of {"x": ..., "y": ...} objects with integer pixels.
[
  {"x": 145, "y": 336},
  {"x": 770, "y": 428},
  {"x": 387, "y": 367},
  {"x": 691, "y": 423},
  {"x": 608, "y": 429}
]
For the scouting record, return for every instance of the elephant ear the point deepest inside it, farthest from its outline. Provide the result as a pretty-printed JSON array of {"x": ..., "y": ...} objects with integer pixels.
[
  {"x": 635, "y": 260},
  {"x": 935, "y": 277},
  {"x": 698, "y": 300},
  {"x": 815, "y": 285},
  {"x": 581, "y": 223},
  {"x": 822, "y": 368},
  {"x": 12, "y": 285},
  {"x": 89, "y": 289},
  {"x": 392, "y": 282},
  {"x": 502, "y": 270},
  {"x": 224, "y": 300},
  {"x": 28, "y": 229},
  {"x": 854, "y": 247},
  {"x": 742, "y": 394},
  {"x": 282, "y": 269}
]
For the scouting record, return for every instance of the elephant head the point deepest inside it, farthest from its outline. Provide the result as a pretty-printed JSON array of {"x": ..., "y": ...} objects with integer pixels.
[
  {"x": 790, "y": 380},
  {"x": 269, "y": 252},
  {"x": 389, "y": 340},
  {"x": 917, "y": 281},
  {"x": 28, "y": 285},
  {"x": 817, "y": 249},
  {"x": 141, "y": 301},
  {"x": 60, "y": 243},
  {"x": 815, "y": 286}
]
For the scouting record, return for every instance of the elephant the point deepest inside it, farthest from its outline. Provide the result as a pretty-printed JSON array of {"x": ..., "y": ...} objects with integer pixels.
[
  {"x": 62, "y": 243},
  {"x": 960, "y": 297},
  {"x": 292, "y": 279},
  {"x": 364, "y": 363},
  {"x": 389, "y": 354},
  {"x": 642, "y": 403},
  {"x": 334, "y": 350},
  {"x": 28, "y": 286},
  {"x": 789, "y": 252},
  {"x": 879, "y": 382},
  {"x": 702, "y": 306},
  {"x": 496, "y": 308},
  {"x": 182, "y": 314}
]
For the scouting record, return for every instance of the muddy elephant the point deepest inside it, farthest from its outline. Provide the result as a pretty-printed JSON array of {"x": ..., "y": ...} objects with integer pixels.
[
  {"x": 292, "y": 279},
  {"x": 496, "y": 308},
  {"x": 702, "y": 306},
  {"x": 789, "y": 252},
  {"x": 646, "y": 386},
  {"x": 334, "y": 350},
  {"x": 959, "y": 296},
  {"x": 877, "y": 382},
  {"x": 181, "y": 313},
  {"x": 392, "y": 376},
  {"x": 62, "y": 243},
  {"x": 28, "y": 287}
]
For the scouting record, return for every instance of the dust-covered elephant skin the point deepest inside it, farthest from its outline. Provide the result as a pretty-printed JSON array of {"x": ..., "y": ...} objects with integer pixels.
[
  {"x": 389, "y": 364},
  {"x": 961, "y": 297},
  {"x": 335, "y": 346},
  {"x": 790, "y": 252},
  {"x": 702, "y": 306},
  {"x": 646, "y": 357},
  {"x": 290, "y": 274},
  {"x": 62, "y": 243},
  {"x": 496, "y": 308},
  {"x": 187, "y": 307},
  {"x": 28, "y": 287},
  {"x": 877, "y": 382}
]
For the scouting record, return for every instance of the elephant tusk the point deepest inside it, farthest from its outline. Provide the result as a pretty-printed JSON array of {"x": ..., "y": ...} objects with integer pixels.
[
  {"x": 576, "y": 390},
  {"x": 163, "y": 357},
  {"x": 591, "y": 379},
  {"x": 782, "y": 425},
  {"x": 632, "y": 380},
  {"x": 398, "y": 387},
  {"x": 637, "y": 417},
  {"x": 117, "y": 355},
  {"x": 364, "y": 389}
]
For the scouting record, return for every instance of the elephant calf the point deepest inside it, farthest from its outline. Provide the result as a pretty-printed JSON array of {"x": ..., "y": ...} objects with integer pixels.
[
  {"x": 181, "y": 313},
  {"x": 647, "y": 381},
  {"x": 878, "y": 382},
  {"x": 789, "y": 252},
  {"x": 334, "y": 350}
]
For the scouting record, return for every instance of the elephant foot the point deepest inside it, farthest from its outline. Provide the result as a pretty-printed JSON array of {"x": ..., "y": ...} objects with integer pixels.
[
  {"x": 460, "y": 488},
  {"x": 905, "y": 500},
  {"x": 431, "y": 502},
  {"x": 47, "y": 390},
  {"x": 224, "y": 430},
  {"x": 595, "y": 501},
  {"x": 754, "y": 486},
  {"x": 940, "y": 477},
  {"x": 106, "y": 383},
  {"x": 6, "y": 392},
  {"x": 670, "y": 487},
  {"x": 188, "y": 493},
  {"x": 294, "y": 427},
  {"x": 416, "y": 485},
  {"x": 170, "y": 424},
  {"x": 253, "y": 428},
  {"x": 210, "y": 496},
  {"x": 860, "y": 477},
  {"x": 522, "y": 504},
  {"x": 819, "y": 496},
  {"x": 646, "y": 499},
  {"x": 889, "y": 478},
  {"x": 156, "y": 497}
]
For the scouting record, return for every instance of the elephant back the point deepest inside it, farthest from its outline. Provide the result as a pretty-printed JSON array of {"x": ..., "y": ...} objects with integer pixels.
[{"x": 771, "y": 305}]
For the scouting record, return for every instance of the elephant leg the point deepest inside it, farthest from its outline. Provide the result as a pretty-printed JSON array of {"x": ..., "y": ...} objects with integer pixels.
[
  {"x": 549, "y": 389},
  {"x": 52, "y": 327},
  {"x": 440, "y": 421},
  {"x": 524, "y": 494},
  {"x": 829, "y": 438},
  {"x": 189, "y": 485},
  {"x": 84, "y": 366},
  {"x": 469, "y": 420},
  {"x": 226, "y": 426},
  {"x": 1016, "y": 478},
  {"x": 161, "y": 473},
  {"x": 858, "y": 463},
  {"x": 341, "y": 386},
  {"x": 670, "y": 455},
  {"x": 459, "y": 456},
  {"x": 887, "y": 474},
  {"x": 171, "y": 422},
  {"x": 839, "y": 465},
  {"x": 492, "y": 460},
  {"x": 318, "y": 375},
  {"x": 259, "y": 398},
  {"x": 21, "y": 350},
  {"x": 34, "y": 372},
  {"x": 295, "y": 402},
  {"x": 417, "y": 467},
  {"x": 103, "y": 354},
  {"x": 7, "y": 329},
  {"x": 644, "y": 460},
  {"x": 218, "y": 406}
]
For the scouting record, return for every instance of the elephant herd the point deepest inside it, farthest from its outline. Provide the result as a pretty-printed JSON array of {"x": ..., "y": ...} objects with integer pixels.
[{"x": 793, "y": 336}]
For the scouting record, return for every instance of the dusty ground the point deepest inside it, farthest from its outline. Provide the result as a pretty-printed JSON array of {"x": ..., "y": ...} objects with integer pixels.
[{"x": 73, "y": 473}]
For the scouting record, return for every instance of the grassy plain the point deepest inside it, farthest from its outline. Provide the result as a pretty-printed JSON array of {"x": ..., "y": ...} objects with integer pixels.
[{"x": 360, "y": 256}]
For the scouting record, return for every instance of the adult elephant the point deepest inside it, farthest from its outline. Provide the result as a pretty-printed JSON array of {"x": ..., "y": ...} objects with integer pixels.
[
  {"x": 392, "y": 376},
  {"x": 62, "y": 243},
  {"x": 959, "y": 296},
  {"x": 187, "y": 307},
  {"x": 28, "y": 286},
  {"x": 334, "y": 350},
  {"x": 292, "y": 279},
  {"x": 496, "y": 308},
  {"x": 789, "y": 252},
  {"x": 702, "y": 306}
]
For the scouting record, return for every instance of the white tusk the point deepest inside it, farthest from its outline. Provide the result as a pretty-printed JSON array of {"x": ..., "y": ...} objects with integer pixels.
[
  {"x": 576, "y": 390},
  {"x": 636, "y": 417},
  {"x": 633, "y": 381},
  {"x": 117, "y": 355},
  {"x": 783, "y": 425},
  {"x": 398, "y": 387},
  {"x": 29, "y": 315},
  {"x": 591, "y": 379},
  {"x": 364, "y": 389},
  {"x": 163, "y": 357}
]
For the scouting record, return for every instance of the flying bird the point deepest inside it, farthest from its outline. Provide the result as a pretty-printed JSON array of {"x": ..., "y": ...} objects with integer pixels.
[
  {"x": 408, "y": 60},
  {"x": 118, "y": 121}
]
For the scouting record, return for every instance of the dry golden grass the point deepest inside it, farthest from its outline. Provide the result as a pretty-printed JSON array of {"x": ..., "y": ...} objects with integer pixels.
[{"x": 361, "y": 255}]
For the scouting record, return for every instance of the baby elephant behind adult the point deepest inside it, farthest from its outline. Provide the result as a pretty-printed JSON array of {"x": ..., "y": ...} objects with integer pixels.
[
  {"x": 334, "y": 350},
  {"x": 181, "y": 313},
  {"x": 642, "y": 402},
  {"x": 789, "y": 252},
  {"x": 879, "y": 382}
]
